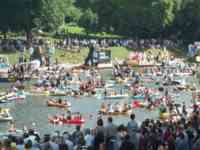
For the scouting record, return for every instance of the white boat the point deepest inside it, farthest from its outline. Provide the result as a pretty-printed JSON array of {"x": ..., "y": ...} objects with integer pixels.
[
  {"x": 4, "y": 97},
  {"x": 115, "y": 93},
  {"x": 18, "y": 97},
  {"x": 4, "y": 119},
  {"x": 105, "y": 65},
  {"x": 3, "y": 101},
  {"x": 5, "y": 115},
  {"x": 110, "y": 83},
  {"x": 99, "y": 93},
  {"x": 4, "y": 64},
  {"x": 117, "y": 96},
  {"x": 183, "y": 74}
]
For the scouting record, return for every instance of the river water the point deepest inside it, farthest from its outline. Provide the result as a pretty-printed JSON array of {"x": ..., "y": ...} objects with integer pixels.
[{"x": 34, "y": 110}]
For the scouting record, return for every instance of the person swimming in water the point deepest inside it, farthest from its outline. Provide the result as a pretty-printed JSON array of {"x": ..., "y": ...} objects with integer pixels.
[
  {"x": 60, "y": 101},
  {"x": 103, "y": 108},
  {"x": 110, "y": 108}
]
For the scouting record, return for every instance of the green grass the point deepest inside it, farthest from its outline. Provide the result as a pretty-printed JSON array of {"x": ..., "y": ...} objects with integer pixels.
[
  {"x": 119, "y": 52},
  {"x": 78, "y": 58},
  {"x": 62, "y": 56},
  {"x": 179, "y": 52},
  {"x": 13, "y": 57},
  {"x": 70, "y": 57}
]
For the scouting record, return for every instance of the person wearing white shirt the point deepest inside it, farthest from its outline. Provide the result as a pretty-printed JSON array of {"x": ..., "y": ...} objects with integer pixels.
[{"x": 31, "y": 52}]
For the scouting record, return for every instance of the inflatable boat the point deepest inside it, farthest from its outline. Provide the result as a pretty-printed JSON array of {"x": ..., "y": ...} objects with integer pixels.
[
  {"x": 5, "y": 115},
  {"x": 137, "y": 104},
  {"x": 117, "y": 96},
  {"x": 17, "y": 97},
  {"x": 116, "y": 113},
  {"x": 53, "y": 103},
  {"x": 61, "y": 120}
]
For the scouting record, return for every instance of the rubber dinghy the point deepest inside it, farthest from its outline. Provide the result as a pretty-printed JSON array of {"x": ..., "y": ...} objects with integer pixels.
[
  {"x": 116, "y": 96},
  {"x": 54, "y": 103},
  {"x": 17, "y": 97},
  {"x": 116, "y": 113},
  {"x": 13, "y": 96},
  {"x": 63, "y": 120}
]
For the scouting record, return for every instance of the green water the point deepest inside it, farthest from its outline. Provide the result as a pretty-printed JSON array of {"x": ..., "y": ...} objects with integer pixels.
[{"x": 34, "y": 109}]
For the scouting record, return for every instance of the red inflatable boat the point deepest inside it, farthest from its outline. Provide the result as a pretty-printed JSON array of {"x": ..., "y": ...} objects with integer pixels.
[{"x": 62, "y": 120}]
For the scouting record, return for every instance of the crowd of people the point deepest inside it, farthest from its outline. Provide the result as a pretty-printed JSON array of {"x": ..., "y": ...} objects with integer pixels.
[
  {"x": 70, "y": 81},
  {"x": 76, "y": 43},
  {"x": 150, "y": 135},
  {"x": 183, "y": 134},
  {"x": 130, "y": 43}
]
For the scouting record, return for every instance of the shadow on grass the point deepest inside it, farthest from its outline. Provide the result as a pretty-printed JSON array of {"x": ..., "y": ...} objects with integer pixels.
[{"x": 7, "y": 52}]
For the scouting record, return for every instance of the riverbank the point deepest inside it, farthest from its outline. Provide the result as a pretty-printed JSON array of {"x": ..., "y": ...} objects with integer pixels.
[{"x": 68, "y": 57}]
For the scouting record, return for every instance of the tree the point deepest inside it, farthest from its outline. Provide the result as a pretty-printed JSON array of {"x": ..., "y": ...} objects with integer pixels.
[
  {"x": 5, "y": 16},
  {"x": 51, "y": 15},
  {"x": 89, "y": 20},
  {"x": 24, "y": 15},
  {"x": 187, "y": 20},
  {"x": 138, "y": 18},
  {"x": 72, "y": 13}
]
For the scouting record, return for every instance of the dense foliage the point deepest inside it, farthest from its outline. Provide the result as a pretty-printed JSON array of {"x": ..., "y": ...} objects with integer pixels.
[{"x": 135, "y": 18}]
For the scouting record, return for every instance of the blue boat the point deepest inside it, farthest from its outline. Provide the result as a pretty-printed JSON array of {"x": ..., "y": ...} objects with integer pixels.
[
  {"x": 140, "y": 97},
  {"x": 8, "y": 79},
  {"x": 4, "y": 68}
]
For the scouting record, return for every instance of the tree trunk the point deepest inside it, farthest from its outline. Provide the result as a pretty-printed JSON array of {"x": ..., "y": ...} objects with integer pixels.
[
  {"x": 4, "y": 34},
  {"x": 29, "y": 37}
]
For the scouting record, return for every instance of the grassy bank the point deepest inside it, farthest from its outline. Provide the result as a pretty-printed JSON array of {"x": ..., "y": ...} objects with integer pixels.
[{"x": 69, "y": 57}]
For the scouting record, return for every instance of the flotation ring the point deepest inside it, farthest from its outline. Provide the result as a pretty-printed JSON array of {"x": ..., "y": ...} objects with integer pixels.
[
  {"x": 136, "y": 104},
  {"x": 164, "y": 116},
  {"x": 142, "y": 104},
  {"x": 2, "y": 97},
  {"x": 46, "y": 93},
  {"x": 11, "y": 79}
]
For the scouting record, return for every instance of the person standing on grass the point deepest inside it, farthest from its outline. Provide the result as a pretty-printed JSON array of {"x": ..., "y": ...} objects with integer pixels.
[
  {"x": 50, "y": 53},
  {"x": 31, "y": 53},
  {"x": 21, "y": 54},
  {"x": 40, "y": 55}
]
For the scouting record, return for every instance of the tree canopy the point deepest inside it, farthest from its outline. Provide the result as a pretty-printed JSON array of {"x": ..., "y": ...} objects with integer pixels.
[{"x": 135, "y": 18}]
